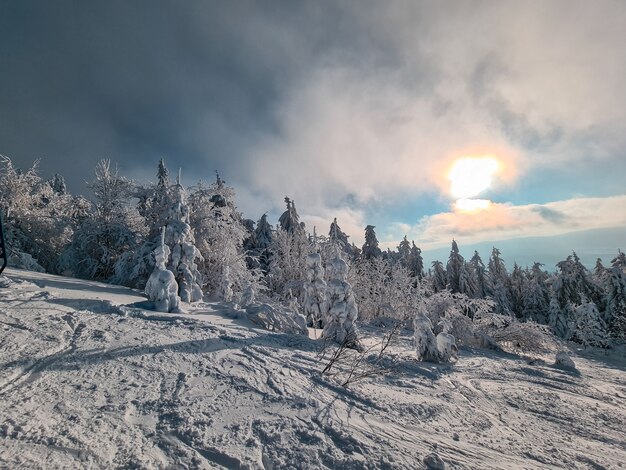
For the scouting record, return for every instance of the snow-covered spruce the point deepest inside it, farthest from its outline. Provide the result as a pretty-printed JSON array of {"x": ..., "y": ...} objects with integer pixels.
[
  {"x": 179, "y": 237},
  {"x": 315, "y": 291},
  {"x": 162, "y": 287},
  {"x": 340, "y": 322}
]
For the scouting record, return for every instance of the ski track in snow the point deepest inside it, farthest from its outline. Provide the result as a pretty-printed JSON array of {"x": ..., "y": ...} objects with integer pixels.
[{"x": 87, "y": 380}]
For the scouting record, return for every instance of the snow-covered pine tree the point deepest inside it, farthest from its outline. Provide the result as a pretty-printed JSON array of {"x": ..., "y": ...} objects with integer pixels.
[
  {"x": 315, "y": 292},
  {"x": 439, "y": 278},
  {"x": 57, "y": 183},
  {"x": 404, "y": 252},
  {"x": 590, "y": 328},
  {"x": 416, "y": 262},
  {"x": 517, "y": 287},
  {"x": 480, "y": 273},
  {"x": 184, "y": 253},
  {"x": 453, "y": 268},
  {"x": 289, "y": 248},
  {"x": 499, "y": 283},
  {"x": 467, "y": 280},
  {"x": 600, "y": 273},
  {"x": 339, "y": 238},
  {"x": 258, "y": 245},
  {"x": 263, "y": 233},
  {"x": 370, "y": 247},
  {"x": 536, "y": 298},
  {"x": 340, "y": 323},
  {"x": 561, "y": 319},
  {"x": 162, "y": 287},
  {"x": 573, "y": 282},
  {"x": 289, "y": 220},
  {"x": 619, "y": 261},
  {"x": 616, "y": 301}
]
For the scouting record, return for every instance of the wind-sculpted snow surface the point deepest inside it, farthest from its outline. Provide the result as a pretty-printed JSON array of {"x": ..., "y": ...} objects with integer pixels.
[{"x": 90, "y": 380}]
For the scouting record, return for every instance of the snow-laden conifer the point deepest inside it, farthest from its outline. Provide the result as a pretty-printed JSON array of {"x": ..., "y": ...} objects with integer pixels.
[
  {"x": 315, "y": 291},
  {"x": 162, "y": 287},
  {"x": 340, "y": 323},
  {"x": 184, "y": 254}
]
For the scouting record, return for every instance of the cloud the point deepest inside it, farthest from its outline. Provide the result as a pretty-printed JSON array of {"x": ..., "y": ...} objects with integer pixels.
[
  {"x": 507, "y": 221},
  {"x": 343, "y": 107},
  {"x": 517, "y": 80}
]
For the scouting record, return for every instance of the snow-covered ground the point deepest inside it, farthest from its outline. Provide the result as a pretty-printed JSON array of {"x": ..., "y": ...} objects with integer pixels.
[{"x": 89, "y": 380}]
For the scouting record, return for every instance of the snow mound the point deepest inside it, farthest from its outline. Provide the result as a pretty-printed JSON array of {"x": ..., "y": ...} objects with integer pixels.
[
  {"x": 276, "y": 319},
  {"x": 564, "y": 361}
]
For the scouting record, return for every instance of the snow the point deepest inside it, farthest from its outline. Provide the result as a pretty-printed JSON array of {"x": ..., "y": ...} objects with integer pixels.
[{"x": 89, "y": 379}]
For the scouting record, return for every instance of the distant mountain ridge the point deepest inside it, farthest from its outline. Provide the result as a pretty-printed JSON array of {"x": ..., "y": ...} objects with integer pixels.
[{"x": 588, "y": 244}]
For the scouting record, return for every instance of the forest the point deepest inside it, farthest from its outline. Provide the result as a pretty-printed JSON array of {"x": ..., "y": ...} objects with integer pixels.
[{"x": 186, "y": 244}]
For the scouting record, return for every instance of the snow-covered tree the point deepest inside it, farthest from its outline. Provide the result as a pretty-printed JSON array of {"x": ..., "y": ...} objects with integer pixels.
[
  {"x": 416, "y": 262},
  {"x": 340, "y": 323},
  {"x": 424, "y": 340},
  {"x": 184, "y": 253},
  {"x": 258, "y": 245},
  {"x": 590, "y": 328},
  {"x": 339, "y": 238},
  {"x": 517, "y": 287},
  {"x": 619, "y": 261},
  {"x": 573, "y": 283},
  {"x": 428, "y": 347},
  {"x": 480, "y": 275},
  {"x": 600, "y": 273},
  {"x": 263, "y": 233},
  {"x": 154, "y": 202},
  {"x": 616, "y": 301},
  {"x": 499, "y": 283},
  {"x": 370, "y": 247},
  {"x": 561, "y": 318},
  {"x": 162, "y": 287},
  {"x": 57, "y": 183},
  {"x": 536, "y": 298},
  {"x": 467, "y": 280},
  {"x": 404, "y": 252},
  {"x": 289, "y": 220},
  {"x": 383, "y": 289},
  {"x": 315, "y": 291},
  {"x": 219, "y": 232},
  {"x": 453, "y": 268},
  {"x": 38, "y": 220},
  {"x": 439, "y": 278},
  {"x": 112, "y": 228}
]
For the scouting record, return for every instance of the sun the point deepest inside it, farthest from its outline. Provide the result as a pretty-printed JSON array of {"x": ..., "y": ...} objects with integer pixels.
[{"x": 470, "y": 176}]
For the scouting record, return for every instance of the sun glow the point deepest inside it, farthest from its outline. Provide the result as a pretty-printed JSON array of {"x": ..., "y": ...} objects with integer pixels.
[
  {"x": 472, "y": 205},
  {"x": 470, "y": 176}
]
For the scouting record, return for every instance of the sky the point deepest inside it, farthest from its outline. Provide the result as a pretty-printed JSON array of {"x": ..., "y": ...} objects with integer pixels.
[{"x": 355, "y": 109}]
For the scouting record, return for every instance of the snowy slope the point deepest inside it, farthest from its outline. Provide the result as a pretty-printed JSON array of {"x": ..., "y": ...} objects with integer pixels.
[{"x": 88, "y": 382}]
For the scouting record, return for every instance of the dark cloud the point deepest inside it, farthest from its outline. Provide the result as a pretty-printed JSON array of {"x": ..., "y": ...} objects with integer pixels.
[
  {"x": 339, "y": 104},
  {"x": 551, "y": 215}
]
